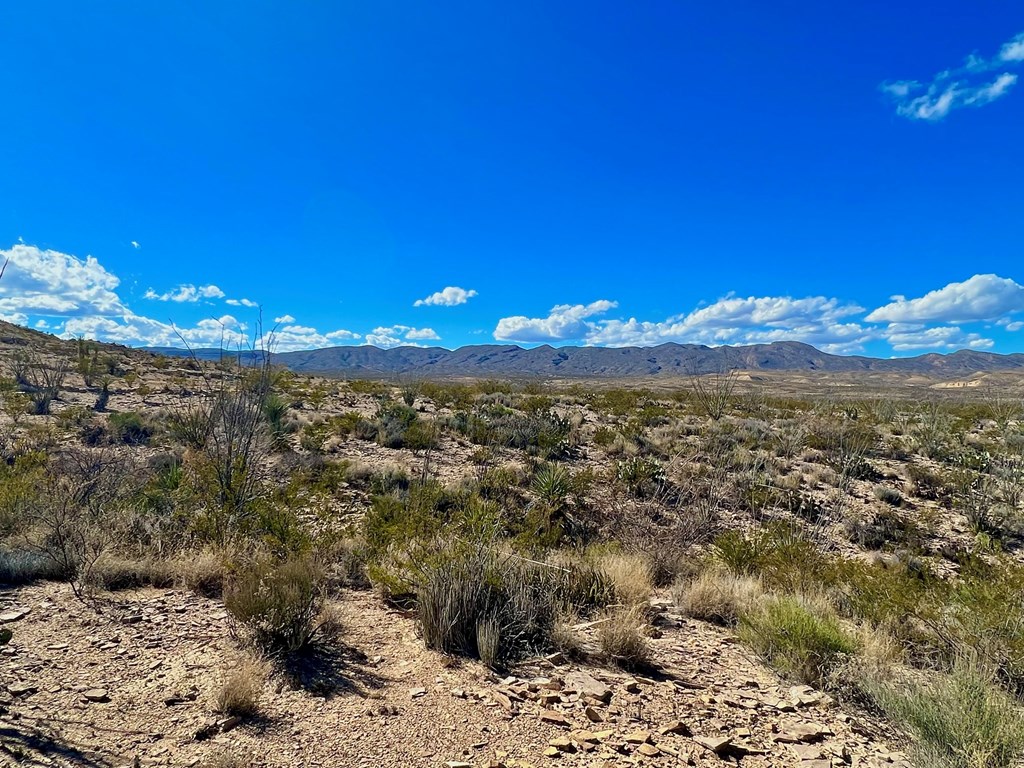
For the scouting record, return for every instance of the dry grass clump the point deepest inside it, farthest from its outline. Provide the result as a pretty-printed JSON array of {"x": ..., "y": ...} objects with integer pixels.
[
  {"x": 718, "y": 597},
  {"x": 622, "y": 640},
  {"x": 565, "y": 639},
  {"x": 629, "y": 574},
  {"x": 240, "y": 688}
]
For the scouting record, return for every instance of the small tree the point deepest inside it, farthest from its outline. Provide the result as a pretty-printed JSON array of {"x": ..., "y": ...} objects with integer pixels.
[{"x": 713, "y": 393}]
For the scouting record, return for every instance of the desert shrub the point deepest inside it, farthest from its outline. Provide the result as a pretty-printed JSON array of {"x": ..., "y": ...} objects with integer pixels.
[
  {"x": 501, "y": 484},
  {"x": 393, "y": 421},
  {"x": 718, "y": 597},
  {"x": 112, "y": 573},
  {"x": 888, "y": 495},
  {"x": 976, "y": 496},
  {"x": 275, "y": 409},
  {"x": 980, "y": 616},
  {"x": 39, "y": 380},
  {"x": 20, "y": 567},
  {"x": 779, "y": 554},
  {"x": 928, "y": 484},
  {"x": 20, "y": 483},
  {"x": 541, "y": 433},
  {"x": 641, "y": 477},
  {"x": 80, "y": 510},
  {"x": 960, "y": 720},
  {"x": 621, "y": 638},
  {"x": 604, "y": 436},
  {"x": 366, "y": 387},
  {"x": 891, "y": 596},
  {"x": 204, "y": 572},
  {"x": 800, "y": 639},
  {"x": 882, "y": 528},
  {"x": 390, "y": 479},
  {"x": 238, "y": 692},
  {"x": 552, "y": 483},
  {"x": 276, "y": 604},
  {"x": 130, "y": 428},
  {"x": 190, "y": 424},
  {"x": 712, "y": 394},
  {"x": 473, "y": 600}
]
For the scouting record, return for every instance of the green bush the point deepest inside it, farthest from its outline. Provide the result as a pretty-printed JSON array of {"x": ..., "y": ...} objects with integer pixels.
[
  {"x": 961, "y": 720},
  {"x": 779, "y": 554},
  {"x": 276, "y": 603},
  {"x": 801, "y": 641},
  {"x": 641, "y": 477},
  {"x": 130, "y": 428}
]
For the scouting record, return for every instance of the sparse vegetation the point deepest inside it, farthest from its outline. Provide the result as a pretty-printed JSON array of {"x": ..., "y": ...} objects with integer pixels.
[{"x": 845, "y": 541}]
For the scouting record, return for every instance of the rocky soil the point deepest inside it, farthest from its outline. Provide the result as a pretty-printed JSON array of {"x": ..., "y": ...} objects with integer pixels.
[{"x": 130, "y": 682}]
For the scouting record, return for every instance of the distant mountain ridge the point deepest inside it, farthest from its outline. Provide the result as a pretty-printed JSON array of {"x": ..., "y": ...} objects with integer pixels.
[{"x": 613, "y": 362}]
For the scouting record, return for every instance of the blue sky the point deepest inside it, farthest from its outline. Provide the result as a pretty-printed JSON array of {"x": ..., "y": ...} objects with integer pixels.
[{"x": 563, "y": 172}]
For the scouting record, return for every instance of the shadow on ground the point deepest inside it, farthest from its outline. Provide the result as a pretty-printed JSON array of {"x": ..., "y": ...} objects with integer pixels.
[{"x": 332, "y": 667}]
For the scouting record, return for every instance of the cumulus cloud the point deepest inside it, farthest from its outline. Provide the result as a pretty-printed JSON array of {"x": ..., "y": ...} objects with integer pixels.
[
  {"x": 46, "y": 282},
  {"x": 451, "y": 296},
  {"x": 815, "y": 320},
  {"x": 186, "y": 293},
  {"x": 400, "y": 335},
  {"x": 979, "y": 298},
  {"x": 565, "y": 322},
  {"x": 904, "y": 337},
  {"x": 241, "y": 303},
  {"x": 135, "y": 244},
  {"x": 77, "y": 297},
  {"x": 136, "y": 330},
  {"x": 969, "y": 85},
  {"x": 731, "y": 320},
  {"x": 294, "y": 337}
]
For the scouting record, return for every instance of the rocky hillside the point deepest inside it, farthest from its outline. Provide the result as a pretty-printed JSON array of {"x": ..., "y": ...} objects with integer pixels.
[{"x": 668, "y": 360}]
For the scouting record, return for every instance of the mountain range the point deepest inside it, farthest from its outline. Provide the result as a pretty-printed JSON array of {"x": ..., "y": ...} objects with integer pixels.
[{"x": 612, "y": 362}]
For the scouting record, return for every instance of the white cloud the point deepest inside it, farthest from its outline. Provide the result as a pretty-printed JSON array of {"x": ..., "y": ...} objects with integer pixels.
[
  {"x": 186, "y": 293},
  {"x": 46, "y": 282},
  {"x": 135, "y": 244},
  {"x": 982, "y": 297},
  {"x": 964, "y": 86},
  {"x": 1013, "y": 51},
  {"x": 422, "y": 334},
  {"x": 135, "y": 330},
  {"x": 241, "y": 303},
  {"x": 284, "y": 319},
  {"x": 753, "y": 320},
  {"x": 451, "y": 296},
  {"x": 293, "y": 337},
  {"x": 731, "y": 320},
  {"x": 565, "y": 322},
  {"x": 399, "y": 335},
  {"x": 914, "y": 338}
]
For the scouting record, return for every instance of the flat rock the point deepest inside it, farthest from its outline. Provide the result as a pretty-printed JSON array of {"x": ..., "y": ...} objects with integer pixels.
[
  {"x": 96, "y": 695},
  {"x": 586, "y": 685},
  {"x": 555, "y": 718},
  {"x": 717, "y": 744},
  {"x": 21, "y": 689},
  {"x": 13, "y": 615}
]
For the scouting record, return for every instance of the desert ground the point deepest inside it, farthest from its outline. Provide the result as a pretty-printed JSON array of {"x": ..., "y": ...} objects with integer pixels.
[{"x": 206, "y": 564}]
